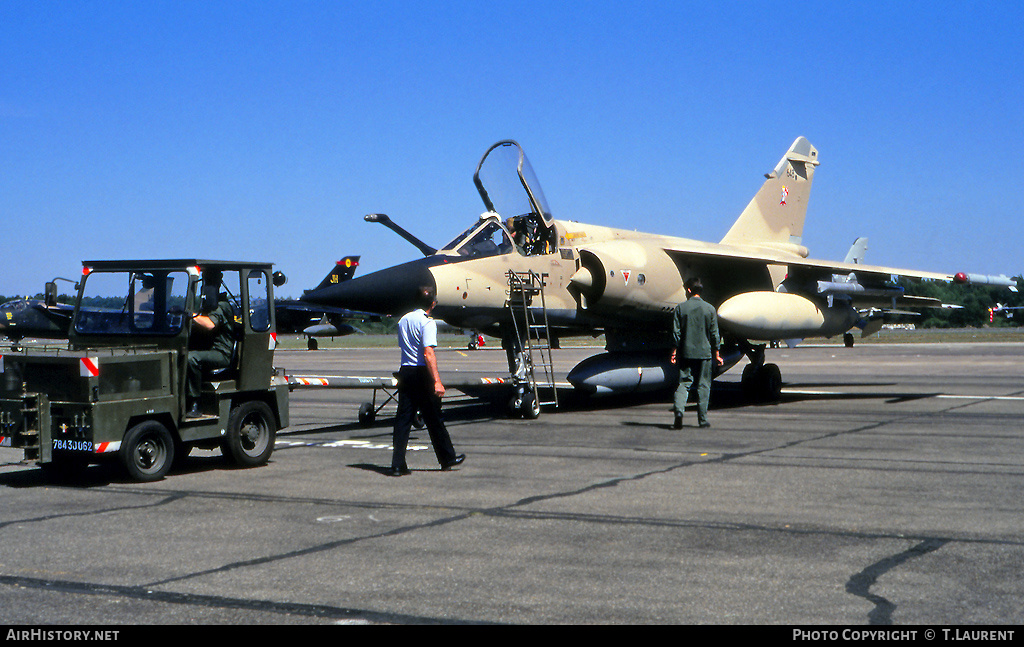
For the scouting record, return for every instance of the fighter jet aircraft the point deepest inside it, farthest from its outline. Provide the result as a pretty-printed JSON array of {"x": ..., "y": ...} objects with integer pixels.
[
  {"x": 625, "y": 284},
  {"x": 297, "y": 316},
  {"x": 34, "y": 318}
]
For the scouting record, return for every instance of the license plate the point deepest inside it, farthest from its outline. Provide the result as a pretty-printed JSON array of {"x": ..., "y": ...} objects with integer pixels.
[{"x": 68, "y": 445}]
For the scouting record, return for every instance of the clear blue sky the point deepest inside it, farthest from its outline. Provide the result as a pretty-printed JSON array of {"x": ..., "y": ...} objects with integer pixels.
[{"x": 266, "y": 130}]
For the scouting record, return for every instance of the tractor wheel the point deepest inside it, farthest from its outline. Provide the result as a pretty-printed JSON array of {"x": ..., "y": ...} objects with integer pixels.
[
  {"x": 147, "y": 451},
  {"x": 251, "y": 433}
]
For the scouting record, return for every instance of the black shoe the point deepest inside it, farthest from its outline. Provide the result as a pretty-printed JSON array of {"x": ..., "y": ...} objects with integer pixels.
[
  {"x": 458, "y": 460},
  {"x": 678, "y": 422},
  {"x": 397, "y": 471},
  {"x": 705, "y": 424}
]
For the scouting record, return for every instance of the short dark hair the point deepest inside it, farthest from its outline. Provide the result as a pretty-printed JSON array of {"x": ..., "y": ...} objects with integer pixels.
[
  {"x": 693, "y": 285},
  {"x": 426, "y": 295}
]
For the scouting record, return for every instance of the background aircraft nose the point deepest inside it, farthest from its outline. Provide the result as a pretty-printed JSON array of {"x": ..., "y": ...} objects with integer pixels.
[{"x": 391, "y": 291}]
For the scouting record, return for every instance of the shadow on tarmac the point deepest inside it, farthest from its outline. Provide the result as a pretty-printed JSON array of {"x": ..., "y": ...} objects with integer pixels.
[{"x": 486, "y": 404}]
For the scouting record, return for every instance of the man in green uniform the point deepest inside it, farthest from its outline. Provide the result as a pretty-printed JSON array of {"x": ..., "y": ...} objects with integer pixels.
[
  {"x": 695, "y": 343},
  {"x": 213, "y": 324}
]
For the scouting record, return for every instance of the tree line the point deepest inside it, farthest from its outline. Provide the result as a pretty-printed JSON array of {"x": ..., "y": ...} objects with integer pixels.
[{"x": 975, "y": 302}]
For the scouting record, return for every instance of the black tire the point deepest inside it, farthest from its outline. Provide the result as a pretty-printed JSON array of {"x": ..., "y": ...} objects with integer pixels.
[
  {"x": 762, "y": 384},
  {"x": 515, "y": 405},
  {"x": 749, "y": 376},
  {"x": 530, "y": 406},
  {"x": 366, "y": 414},
  {"x": 147, "y": 451},
  {"x": 251, "y": 433},
  {"x": 771, "y": 383}
]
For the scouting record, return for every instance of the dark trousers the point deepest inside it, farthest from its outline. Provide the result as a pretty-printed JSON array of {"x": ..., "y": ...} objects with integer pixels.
[
  {"x": 200, "y": 362},
  {"x": 694, "y": 375},
  {"x": 416, "y": 393}
]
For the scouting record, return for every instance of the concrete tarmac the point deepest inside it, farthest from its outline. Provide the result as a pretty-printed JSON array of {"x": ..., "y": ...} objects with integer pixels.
[{"x": 884, "y": 488}]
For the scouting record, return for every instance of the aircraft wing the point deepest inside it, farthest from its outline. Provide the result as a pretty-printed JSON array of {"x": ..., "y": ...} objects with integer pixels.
[
  {"x": 762, "y": 255},
  {"x": 859, "y": 281},
  {"x": 294, "y": 305},
  {"x": 298, "y": 316}
]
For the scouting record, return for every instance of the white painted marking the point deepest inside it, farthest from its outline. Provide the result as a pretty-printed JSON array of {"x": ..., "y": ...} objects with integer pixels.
[
  {"x": 941, "y": 395},
  {"x": 357, "y": 444}
]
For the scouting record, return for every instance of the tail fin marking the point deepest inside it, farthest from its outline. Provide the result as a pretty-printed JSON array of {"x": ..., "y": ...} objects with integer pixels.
[
  {"x": 775, "y": 216},
  {"x": 343, "y": 270}
]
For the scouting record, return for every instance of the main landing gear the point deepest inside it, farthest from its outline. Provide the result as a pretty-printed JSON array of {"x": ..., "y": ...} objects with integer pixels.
[
  {"x": 761, "y": 382},
  {"x": 524, "y": 402}
]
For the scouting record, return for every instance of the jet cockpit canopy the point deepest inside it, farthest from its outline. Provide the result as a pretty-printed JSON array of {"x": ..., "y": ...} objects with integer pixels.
[
  {"x": 507, "y": 184},
  {"x": 486, "y": 237},
  {"x": 511, "y": 192}
]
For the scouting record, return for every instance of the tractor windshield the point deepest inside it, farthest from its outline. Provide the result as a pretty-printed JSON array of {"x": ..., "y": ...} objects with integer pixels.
[{"x": 132, "y": 303}]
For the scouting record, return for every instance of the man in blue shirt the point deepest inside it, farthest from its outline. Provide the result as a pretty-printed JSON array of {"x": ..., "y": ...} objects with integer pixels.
[{"x": 419, "y": 387}]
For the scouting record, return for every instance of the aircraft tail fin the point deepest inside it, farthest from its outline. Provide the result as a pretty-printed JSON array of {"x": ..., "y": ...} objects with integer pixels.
[
  {"x": 775, "y": 216},
  {"x": 857, "y": 251},
  {"x": 343, "y": 270}
]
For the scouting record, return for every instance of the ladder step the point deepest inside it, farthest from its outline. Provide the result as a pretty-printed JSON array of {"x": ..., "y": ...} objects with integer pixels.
[{"x": 530, "y": 318}]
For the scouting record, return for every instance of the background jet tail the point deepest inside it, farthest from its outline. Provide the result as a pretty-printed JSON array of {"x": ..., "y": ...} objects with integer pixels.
[
  {"x": 343, "y": 270},
  {"x": 775, "y": 216},
  {"x": 857, "y": 251}
]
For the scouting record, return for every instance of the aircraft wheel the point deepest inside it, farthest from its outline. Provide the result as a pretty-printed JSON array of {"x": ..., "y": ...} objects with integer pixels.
[
  {"x": 748, "y": 377},
  {"x": 147, "y": 451},
  {"x": 366, "y": 414},
  {"x": 762, "y": 384},
  {"x": 251, "y": 433},
  {"x": 312, "y": 344},
  {"x": 772, "y": 380},
  {"x": 530, "y": 406},
  {"x": 515, "y": 404},
  {"x": 848, "y": 340}
]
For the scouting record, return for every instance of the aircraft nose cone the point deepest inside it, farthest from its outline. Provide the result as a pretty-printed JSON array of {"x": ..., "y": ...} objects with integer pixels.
[{"x": 391, "y": 291}]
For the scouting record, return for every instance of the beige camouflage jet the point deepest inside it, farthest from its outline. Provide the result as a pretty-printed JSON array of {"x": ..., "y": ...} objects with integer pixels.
[{"x": 625, "y": 284}]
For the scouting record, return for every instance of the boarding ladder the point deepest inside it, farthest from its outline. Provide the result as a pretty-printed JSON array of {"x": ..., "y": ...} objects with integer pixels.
[{"x": 530, "y": 322}]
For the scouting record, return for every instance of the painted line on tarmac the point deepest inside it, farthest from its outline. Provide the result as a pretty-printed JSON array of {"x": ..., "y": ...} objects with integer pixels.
[
  {"x": 356, "y": 444},
  {"x": 981, "y": 397},
  {"x": 945, "y": 396}
]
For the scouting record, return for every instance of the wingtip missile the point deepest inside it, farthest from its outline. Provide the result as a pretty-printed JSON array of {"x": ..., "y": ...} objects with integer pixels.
[{"x": 965, "y": 278}]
